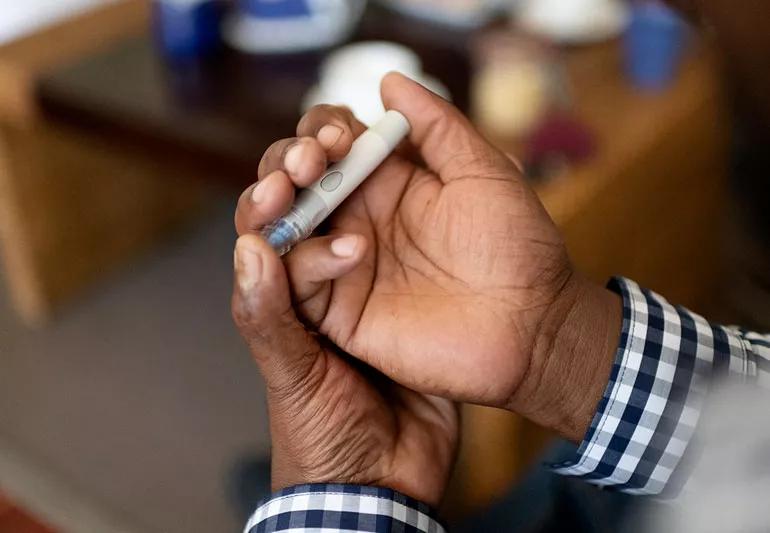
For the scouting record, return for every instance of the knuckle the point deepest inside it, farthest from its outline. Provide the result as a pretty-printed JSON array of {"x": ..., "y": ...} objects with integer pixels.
[
  {"x": 347, "y": 118},
  {"x": 275, "y": 148},
  {"x": 243, "y": 200},
  {"x": 314, "y": 118},
  {"x": 304, "y": 123},
  {"x": 273, "y": 157},
  {"x": 278, "y": 149},
  {"x": 328, "y": 110}
]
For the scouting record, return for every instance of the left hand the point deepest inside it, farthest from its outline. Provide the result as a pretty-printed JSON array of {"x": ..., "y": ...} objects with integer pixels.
[{"x": 332, "y": 419}]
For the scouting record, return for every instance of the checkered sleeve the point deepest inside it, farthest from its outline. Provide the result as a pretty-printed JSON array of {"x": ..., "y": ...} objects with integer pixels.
[
  {"x": 666, "y": 362},
  {"x": 327, "y": 508}
]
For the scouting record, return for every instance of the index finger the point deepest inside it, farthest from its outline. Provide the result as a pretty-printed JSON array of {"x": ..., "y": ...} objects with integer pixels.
[{"x": 335, "y": 127}]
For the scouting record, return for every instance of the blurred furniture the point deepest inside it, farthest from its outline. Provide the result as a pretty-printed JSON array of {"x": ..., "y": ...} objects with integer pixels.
[
  {"x": 73, "y": 206},
  {"x": 223, "y": 110},
  {"x": 647, "y": 205}
]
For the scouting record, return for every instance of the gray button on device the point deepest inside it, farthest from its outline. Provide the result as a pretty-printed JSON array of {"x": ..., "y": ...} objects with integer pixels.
[{"x": 331, "y": 181}]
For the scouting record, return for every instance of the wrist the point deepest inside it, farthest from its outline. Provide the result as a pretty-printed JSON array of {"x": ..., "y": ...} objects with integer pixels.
[{"x": 571, "y": 360}]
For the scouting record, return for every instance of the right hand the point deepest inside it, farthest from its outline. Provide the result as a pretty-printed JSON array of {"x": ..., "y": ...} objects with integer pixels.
[{"x": 454, "y": 281}]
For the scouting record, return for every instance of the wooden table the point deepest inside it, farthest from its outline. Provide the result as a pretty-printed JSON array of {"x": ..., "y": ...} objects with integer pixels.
[
  {"x": 104, "y": 147},
  {"x": 226, "y": 109},
  {"x": 647, "y": 205}
]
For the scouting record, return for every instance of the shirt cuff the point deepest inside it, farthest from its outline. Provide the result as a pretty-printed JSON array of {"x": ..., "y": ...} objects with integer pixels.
[
  {"x": 646, "y": 419},
  {"x": 342, "y": 508}
]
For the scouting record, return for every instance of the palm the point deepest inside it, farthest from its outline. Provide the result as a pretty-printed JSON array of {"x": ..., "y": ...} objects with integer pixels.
[{"x": 457, "y": 268}]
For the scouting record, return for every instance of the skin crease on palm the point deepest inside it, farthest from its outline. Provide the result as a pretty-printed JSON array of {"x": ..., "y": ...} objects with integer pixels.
[{"x": 449, "y": 279}]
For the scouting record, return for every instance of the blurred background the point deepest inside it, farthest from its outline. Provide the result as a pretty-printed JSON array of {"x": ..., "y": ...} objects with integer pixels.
[{"x": 128, "y": 129}]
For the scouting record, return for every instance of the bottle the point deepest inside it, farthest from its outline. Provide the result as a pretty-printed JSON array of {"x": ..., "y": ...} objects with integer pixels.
[
  {"x": 289, "y": 26},
  {"x": 186, "y": 28}
]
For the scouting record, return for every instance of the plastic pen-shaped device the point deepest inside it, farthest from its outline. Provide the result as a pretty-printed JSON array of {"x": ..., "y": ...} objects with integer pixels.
[{"x": 314, "y": 204}]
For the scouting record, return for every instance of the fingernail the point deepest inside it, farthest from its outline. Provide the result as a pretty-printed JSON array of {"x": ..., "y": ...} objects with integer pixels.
[
  {"x": 345, "y": 247},
  {"x": 293, "y": 159},
  {"x": 329, "y": 135},
  {"x": 248, "y": 267}
]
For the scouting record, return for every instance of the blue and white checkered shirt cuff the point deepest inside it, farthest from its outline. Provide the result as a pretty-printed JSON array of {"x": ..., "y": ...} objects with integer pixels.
[
  {"x": 644, "y": 424},
  {"x": 342, "y": 508}
]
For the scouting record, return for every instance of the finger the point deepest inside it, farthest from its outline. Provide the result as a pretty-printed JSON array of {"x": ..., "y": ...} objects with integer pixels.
[
  {"x": 447, "y": 141},
  {"x": 264, "y": 202},
  {"x": 303, "y": 159},
  {"x": 262, "y": 310},
  {"x": 432, "y": 409},
  {"x": 312, "y": 266},
  {"x": 334, "y": 127}
]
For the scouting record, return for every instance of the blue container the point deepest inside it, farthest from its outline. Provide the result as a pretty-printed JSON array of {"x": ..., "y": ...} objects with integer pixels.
[
  {"x": 290, "y": 26},
  {"x": 654, "y": 42},
  {"x": 276, "y": 8},
  {"x": 186, "y": 28}
]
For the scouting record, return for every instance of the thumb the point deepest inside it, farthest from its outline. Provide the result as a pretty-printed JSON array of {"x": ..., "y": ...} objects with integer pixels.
[
  {"x": 285, "y": 352},
  {"x": 448, "y": 143}
]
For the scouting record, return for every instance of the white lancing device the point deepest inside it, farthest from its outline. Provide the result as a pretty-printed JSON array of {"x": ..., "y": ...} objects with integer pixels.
[{"x": 314, "y": 204}]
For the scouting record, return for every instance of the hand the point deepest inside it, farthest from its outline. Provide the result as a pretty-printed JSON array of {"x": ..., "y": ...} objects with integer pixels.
[
  {"x": 331, "y": 420},
  {"x": 443, "y": 271}
]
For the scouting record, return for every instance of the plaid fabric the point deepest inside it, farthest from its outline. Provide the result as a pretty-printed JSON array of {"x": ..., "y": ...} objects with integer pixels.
[
  {"x": 667, "y": 360},
  {"x": 342, "y": 508}
]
